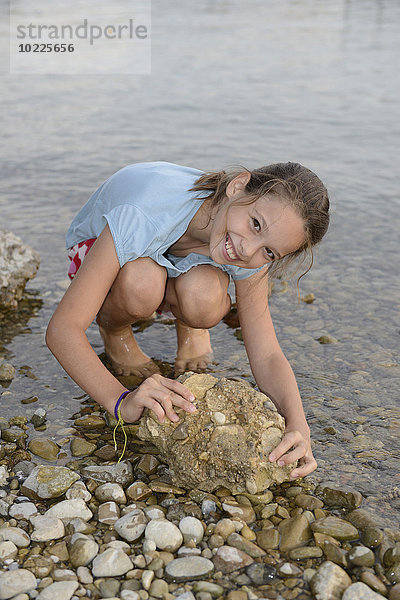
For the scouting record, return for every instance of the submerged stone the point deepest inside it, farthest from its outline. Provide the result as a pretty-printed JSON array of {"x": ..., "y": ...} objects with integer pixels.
[{"x": 210, "y": 455}]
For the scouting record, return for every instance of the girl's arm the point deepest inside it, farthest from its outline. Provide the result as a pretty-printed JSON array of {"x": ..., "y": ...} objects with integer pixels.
[
  {"x": 273, "y": 373},
  {"x": 67, "y": 340}
]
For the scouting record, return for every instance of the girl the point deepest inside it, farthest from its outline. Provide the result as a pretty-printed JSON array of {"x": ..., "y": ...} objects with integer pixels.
[{"x": 165, "y": 236}]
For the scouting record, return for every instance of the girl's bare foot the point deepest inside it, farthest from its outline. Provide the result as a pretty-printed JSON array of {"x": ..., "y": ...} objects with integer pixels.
[
  {"x": 124, "y": 353},
  {"x": 194, "y": 348}
]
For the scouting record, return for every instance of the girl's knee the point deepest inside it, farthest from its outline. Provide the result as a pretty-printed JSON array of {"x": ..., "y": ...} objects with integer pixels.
[
  {"x": 141, "y": 285},
  {"x": 202, "y": 294}
]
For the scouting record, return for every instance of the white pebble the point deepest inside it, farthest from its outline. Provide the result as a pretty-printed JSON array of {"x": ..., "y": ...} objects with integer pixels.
[{"x": 192, "y": 529}]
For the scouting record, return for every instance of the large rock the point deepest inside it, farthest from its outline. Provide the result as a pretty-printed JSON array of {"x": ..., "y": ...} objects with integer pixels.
[
  {"x": 225, "y": 443},
  {"x": 18, "y": 264}
]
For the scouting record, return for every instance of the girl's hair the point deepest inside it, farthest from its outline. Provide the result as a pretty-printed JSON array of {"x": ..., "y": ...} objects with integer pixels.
[{"x": 293, "y": 183}]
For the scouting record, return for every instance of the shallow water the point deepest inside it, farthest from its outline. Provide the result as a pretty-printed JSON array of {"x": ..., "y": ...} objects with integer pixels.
[{"x": 306, "y": 81}]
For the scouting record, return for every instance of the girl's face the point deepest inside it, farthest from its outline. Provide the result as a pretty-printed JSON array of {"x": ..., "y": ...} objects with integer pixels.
[{"x": 252, "y": 235}]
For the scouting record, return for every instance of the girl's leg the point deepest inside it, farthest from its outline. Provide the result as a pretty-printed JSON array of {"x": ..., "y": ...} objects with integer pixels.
[
  {"x": 198, "y": 299},
  {"x": 135, "y": 294}
]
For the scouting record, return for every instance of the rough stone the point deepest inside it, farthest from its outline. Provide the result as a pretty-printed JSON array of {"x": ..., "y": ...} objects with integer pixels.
[
  {"x": 78, "y": 490},
  {"x": 329, "y": 582},
  {"x": 18, "y": 264},
  {"x": 48, "y": 482},
  {"x": 188, "y": 568},
  {"x": 230, "y": 455},
  {"x": 16, "y": 582}
]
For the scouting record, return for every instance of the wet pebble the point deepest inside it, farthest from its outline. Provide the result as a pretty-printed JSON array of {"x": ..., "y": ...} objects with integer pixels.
[{"x": 44, "y": 448}]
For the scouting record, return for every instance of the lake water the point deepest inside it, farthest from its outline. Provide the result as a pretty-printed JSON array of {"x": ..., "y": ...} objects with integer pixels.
[{"x": 250, "y": 84}]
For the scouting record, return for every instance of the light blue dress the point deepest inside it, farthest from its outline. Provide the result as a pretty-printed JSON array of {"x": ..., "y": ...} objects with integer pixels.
[{"x": 147, "y": 207}]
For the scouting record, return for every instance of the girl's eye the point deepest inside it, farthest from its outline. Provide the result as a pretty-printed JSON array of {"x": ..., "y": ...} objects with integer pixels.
[
  {"x": 257, "y": 224},
  {"x": 269, "y": 253}
]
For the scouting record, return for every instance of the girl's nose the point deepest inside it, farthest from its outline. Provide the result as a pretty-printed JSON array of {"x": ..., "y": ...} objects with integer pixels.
[{"x": 250, "y": 247}]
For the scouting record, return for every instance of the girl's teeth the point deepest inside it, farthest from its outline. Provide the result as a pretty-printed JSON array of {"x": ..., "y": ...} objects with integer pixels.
[{"x": 229, "y": 249}]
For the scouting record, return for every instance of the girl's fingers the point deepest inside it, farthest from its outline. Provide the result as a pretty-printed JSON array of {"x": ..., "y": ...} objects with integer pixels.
[
  {"x": 165, "y": 399},
  {"x": 296, "y": 454},
  {"x": 178, "y": 388},
  {"x": 308, "y": 467},
  {"x": 156, "y": 407},
  {"x": 288, "y": 441}
]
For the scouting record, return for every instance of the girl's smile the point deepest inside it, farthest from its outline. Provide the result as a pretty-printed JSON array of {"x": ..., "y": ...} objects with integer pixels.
[{"x": 252, "y": 235}]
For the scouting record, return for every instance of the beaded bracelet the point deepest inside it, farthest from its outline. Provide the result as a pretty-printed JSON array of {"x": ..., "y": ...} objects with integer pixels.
[{"x": 120, "y": 422}]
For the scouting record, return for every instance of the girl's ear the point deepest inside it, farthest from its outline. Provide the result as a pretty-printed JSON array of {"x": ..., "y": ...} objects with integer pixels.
[{"x": 237, "y": 185}]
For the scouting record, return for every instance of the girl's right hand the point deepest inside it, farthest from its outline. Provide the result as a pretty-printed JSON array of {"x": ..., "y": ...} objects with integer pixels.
[{"x": 160, "y": 395}]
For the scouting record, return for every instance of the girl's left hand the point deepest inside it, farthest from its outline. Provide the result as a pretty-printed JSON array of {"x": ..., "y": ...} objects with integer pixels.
[{"x": 300, "y": 450}]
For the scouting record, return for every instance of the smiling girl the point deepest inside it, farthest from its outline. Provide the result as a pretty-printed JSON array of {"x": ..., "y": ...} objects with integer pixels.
[{"x": 168, "y": 237}]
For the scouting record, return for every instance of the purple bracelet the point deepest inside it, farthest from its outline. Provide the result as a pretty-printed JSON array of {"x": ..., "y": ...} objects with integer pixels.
[{"x": 118, "y": 402}]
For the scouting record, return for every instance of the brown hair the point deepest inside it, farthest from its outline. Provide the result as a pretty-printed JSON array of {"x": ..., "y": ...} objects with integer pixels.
[{"x": 293, "y": 183}]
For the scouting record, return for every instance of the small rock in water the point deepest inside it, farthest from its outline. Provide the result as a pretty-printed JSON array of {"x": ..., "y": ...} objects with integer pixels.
[
  {"x": 212, "y": 454},
  {"x": 81, "y": 447},
  {"x": 44, "y": 448},
  {"x": 339, "y": 496},
  {"x": 7, "y": 371},
  {"x": 18, "y": 263},
  {"x": 38, "y": 417}
]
